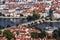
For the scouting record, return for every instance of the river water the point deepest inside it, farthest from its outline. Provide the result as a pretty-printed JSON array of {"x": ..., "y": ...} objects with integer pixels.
[
  {"x": 52, "y": 25},
  {"x": 11, "y": 22},
  {"x": 6, "y": 22}
]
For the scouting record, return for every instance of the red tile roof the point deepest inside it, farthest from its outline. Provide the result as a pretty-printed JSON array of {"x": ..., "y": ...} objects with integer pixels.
[
  {"x": 2, "y": 38},
  {"x": 40, "y": 8},
  {"x": 35, "y": 5},
  {"x": 30, "y": 2},
  {"x": 22, "y": 31},
  {"x": 20, "y": 5},
  {"x": 58, "y": 11},
  {"x": 27, "y": 11},
  {"x": 11, "y": 5},
  {"x": 54, "y": 6},
  {"x": 30, "y": 39}
]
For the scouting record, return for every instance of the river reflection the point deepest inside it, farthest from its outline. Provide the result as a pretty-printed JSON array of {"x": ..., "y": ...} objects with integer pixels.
[
  {"x": 11, "y": 22},
  {"x": 5, "y": 22},
  {"x": 54, "y": 24}
]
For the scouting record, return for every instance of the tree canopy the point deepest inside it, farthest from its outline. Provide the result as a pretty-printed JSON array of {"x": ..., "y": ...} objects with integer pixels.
[
  {"x": 1, "y": 27},
  {"x": 56, "y": 33},
  {"x": 43, "y": 34},
  {"x": 0, "y": 32},
  {"x": 34, "y": 17},
  {"x": 8, "y": 34},
  {"x": 34, "y": 35},
  {"x": 38, "y": 35}
]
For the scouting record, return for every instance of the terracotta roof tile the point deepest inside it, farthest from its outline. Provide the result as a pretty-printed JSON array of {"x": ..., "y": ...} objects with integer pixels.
[
  {"x": 11, "y": 5},
  {"x": 2, "y": 38},
  {"x": 58, "y": 11},
  {"x": 54, "y": 6},
  {"x": 22, "y": 31},
  {"x": 40, "y": 8},
  {"x": 27, "y": 11}
]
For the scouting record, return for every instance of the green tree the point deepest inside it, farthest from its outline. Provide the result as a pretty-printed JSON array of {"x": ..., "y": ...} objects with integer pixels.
[
  {"x": 55, "y": 34},
  {"x": 17, "y": 33},
  {"x": 43, "y": 34},
  {"x": 59, "y": 31},
  {"x": 29, "y": 18},
  {"x": 34, "y": 35},
  {"x": 1, "y": 27},
  {"x": 0, "y": 13},
  {"x": 8, "y": 15},
  {"x": 21, "y": 15},
  {"x": 8, "y": 34},
  {"x": 17, "y": 24},
  {"x": 36, "y": 16},
  {"x": 0, "y": 32}
]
